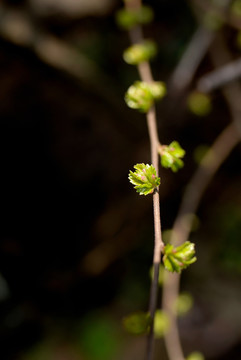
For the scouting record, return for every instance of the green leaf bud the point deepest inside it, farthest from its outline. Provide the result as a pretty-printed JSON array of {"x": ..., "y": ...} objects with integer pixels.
[
  {"x": 171, "y": 156},
  {"x": 199, "y": 103},
  {"x": 179, "y": 258},
  {"x": 137, "y": 323},
  {"x": 161, "y": 324},
  {"x": 183, "y": 303},
  {"x": 199, "y": 152},
  {"x": 236, "y": 8},
  {"x": 141, "y": 95},
  {"x": 144, "y": 179},
  {"x": 127, "y": 19},
  {"x": 161, "y": 274},
  {"x": 196, "y": 355},
  {"x": 213, "y": 21},
  {"x": 138, "y": 53},
  {"x": 158, "y": 89},
  {"x": 145, "y": 15}
]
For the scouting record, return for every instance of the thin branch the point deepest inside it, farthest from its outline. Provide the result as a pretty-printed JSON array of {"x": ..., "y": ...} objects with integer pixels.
[
  {"x": 220, "y": 12},
  {"x": 216, "y": 155},
  {"x": 18, "y": 27},
  {"x": 191, "y": 58},
  {"x": 220, "y": 77},
  {"x": 194, "y": 53},
  {"x": 145, "y": 74},
  {"x": 232, "y": 91}
]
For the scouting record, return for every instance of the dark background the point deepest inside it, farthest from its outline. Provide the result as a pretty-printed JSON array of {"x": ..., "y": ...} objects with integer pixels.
[{"x": 76, "y": 240}]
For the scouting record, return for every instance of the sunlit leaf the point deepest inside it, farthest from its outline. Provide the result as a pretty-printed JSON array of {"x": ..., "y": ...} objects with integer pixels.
[
  {"x": 179, "y": 258},
  {"x": 144, "y": 178}
]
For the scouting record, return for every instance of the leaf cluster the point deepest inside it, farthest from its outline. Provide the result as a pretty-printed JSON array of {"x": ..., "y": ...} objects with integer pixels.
[
  {"x": 137, "y": 323},
  {"x": 139, "y": 53},
  {"x": 171, "y": 156},
  {"x": 141, "y": 95},
  {"x": 127, "y": 19},
  {"x": 199, "y": 103},
  {"x": 144, "y": 178},
  {"x": 179, "y": 258}
]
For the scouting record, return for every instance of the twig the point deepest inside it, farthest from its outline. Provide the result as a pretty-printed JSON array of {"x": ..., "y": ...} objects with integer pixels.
[
  {"x": 191, "y": 58},
  {"x": 232, "y": 91},
  {"x": 220, "y": 12},
  {"x": 216, "y": 155},
  {"x": 194, "y": 53},
  {"x": 145, "y": 74},
  {"x": 18, "y": 28},
  {"x": 219, "y": 77}
]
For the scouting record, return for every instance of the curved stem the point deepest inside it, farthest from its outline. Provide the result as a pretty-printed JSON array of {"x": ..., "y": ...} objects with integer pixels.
[{"x": 211, "y": 162}]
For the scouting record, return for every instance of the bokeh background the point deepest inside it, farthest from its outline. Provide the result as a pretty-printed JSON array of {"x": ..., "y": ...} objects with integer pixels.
[{"x": 76, "y": 240}]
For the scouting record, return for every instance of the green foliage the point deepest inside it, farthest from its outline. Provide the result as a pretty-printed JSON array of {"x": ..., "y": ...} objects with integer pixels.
[
  {"x": 196, "y": 355},
  {"x": 138, "y": 53},
  {"x": 171, "y": 156},
  {"x": 98, "y": 337},
  {"x": 141, "y": 95},
  {"x": 199, "y": 152},
  {"x": 236, "y": 7},
  {"x": 161, "y": 324},
  {"x": 179, "y": 258},
  {"x": 137, "y": 323},
  {"x": 161, "y": 274},
  {"x": 212, "y": 21},
  {"x": 144, "y": 178},
  {"x": 145, "y": 15},
  {"x": 199, "y": 103},
  {"x": 127, "y": 19},
  {"x": 183, "y": 303}
]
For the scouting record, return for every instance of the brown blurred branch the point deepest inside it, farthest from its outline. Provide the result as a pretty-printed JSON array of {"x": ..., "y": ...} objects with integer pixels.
[
  {"x": 191, "y": 58},
  {"x": 220, "y": 12},
  {"x": 18, "y": 28},
  {"x": 196, "y": 50},
  {"x": 209, "y": 165},
  {"x": 220, "y": 76},
  {"x": 232, "y": 92}
]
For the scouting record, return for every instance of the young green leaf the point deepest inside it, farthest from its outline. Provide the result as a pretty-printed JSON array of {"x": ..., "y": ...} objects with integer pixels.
[
  {"x": 236, "y": 7},
  {"x": 145, "y": 15},
  {"x": 199, "y": 103},
  {"x": 137, "y": 323},
  {"x": 183, "y": 303},
  {"x": 139, "y": 53},
  {"x": 171, "y": 156},
  {"x": 196, "y": 355},
  {"x": 161, "y": 324},
  {"x": 179, "y": 258},
  {"x": 144, "y": 178},
  {"x": 127, "y": 19},
  {"x": 141, "y": 95}
]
